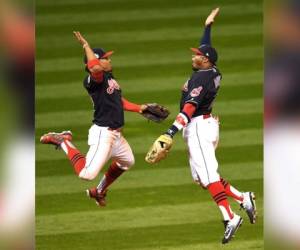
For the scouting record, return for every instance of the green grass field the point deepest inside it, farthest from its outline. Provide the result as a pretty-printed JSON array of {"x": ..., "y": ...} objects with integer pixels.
[{"x": 150, "y": 207}]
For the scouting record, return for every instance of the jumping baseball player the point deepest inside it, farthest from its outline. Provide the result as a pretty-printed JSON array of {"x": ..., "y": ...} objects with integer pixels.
[
  {"x": 105, "y": 138},
  {"x": 201, "y": 133}
]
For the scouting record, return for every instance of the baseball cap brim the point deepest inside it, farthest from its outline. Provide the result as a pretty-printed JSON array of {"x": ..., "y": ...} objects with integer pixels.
[
  {"x": 107, "y": 54},
  {"x": 196, "y": 51}
]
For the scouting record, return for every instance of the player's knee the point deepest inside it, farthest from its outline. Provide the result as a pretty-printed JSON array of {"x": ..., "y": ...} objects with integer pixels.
[
  {"x": 86, "y": 175},
  {"x": 201, "y": 184},
  {"x": 214, "y": 179},
  {"x": 131, "y": 162},
  {"x": 128, "y": 164}
]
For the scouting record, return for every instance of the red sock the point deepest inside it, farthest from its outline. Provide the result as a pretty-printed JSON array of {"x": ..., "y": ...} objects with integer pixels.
[
  {"x": 230, "y": 191},
  {"x": 217, "y": 191},
  {"x": 76, "y": 158},
  {"x": 110, "y": 176}
]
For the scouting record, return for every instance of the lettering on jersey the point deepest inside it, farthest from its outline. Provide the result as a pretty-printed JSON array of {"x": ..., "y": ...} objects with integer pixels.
[
  {"x": 185, "y": 86},
  {"x": 112, "y": 85},
  {"x": 196, "y": 91}
]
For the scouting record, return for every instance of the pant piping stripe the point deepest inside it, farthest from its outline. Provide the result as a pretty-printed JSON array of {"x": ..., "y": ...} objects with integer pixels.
[
  {"x": 202, "y": 153},
  {"x": 95, "y": 150}
]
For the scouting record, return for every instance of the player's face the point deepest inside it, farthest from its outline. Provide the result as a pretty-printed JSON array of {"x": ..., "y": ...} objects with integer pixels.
[
  {"x": 197, "y": 61},
  {"x": 106, "y": 64}
]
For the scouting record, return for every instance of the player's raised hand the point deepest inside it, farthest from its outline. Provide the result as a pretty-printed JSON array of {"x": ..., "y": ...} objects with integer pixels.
[
  {"x": 80, "y": 38},
  {"x": 211, "y": 18}
]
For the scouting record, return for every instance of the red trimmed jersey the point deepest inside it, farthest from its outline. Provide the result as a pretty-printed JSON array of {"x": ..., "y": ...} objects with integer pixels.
[
  {"x": 107, "y": 100},
  {"x": 201, "y": 90}
]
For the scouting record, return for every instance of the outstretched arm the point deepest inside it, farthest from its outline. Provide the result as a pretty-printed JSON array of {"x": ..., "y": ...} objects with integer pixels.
[
  {"x": 93, "y": 63},
  {"x": 163, "y": 143},
  {"x": 208, "y": 22},
  {"x": 129, "y": 106},
  {"x": 182, "y": 119}
]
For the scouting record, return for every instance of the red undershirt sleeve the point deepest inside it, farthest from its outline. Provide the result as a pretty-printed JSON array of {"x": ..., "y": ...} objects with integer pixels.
[
  {"x": 189, "y": 109},
  {"x": 129, "y": 106},
  {"x": 97, "y": 76}
]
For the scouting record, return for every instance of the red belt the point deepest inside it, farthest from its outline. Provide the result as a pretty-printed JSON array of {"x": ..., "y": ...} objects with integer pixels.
[
  {"x": 115, "y": 129},
  {"x": 206, "y": 116}
]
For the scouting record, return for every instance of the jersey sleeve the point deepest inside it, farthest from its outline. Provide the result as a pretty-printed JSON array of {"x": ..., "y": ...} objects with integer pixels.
[
  {"x": 89, "y": 83},
  {"x": 206, "y": 40}
]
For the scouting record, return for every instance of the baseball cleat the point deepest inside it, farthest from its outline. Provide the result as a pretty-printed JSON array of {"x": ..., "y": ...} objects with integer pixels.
[
  {"x": 56, "y": 138},
  {"x": 93, "y": 193},
  {"x": 231, "y": 226},
  {"x": 249, "y": 206}
]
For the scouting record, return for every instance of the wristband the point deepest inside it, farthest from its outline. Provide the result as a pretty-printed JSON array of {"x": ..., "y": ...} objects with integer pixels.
[{"x": 181, "y": 121}]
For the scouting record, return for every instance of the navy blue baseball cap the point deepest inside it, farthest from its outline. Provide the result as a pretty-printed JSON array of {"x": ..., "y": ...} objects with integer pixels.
[
  {"x": 207, "y": 51},
  {"x": 99, "y": 53}
]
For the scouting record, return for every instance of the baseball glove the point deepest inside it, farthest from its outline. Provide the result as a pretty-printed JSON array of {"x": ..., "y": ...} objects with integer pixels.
[
  {"x": 159, "y": 149},
  {"x": 155, "y": 112}
]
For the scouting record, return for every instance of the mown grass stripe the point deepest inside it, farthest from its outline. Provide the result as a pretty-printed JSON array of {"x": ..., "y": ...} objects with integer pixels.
[
  {"x": 119, "y": 199},
  {"x": 62, "y": 64},
  {"x": 81, "y": 117},
  {"x": 71, "y": 17},
  {"x": 134, "y": 25},
  {"x": 75, "y": 89},
  {"x": 67, "y": 3},
  {"x": 133, "y": 47},
  {"x": 168, "y": 237},
  {"x": 145, "y": 178},
  {"x": 129, "y": 72},
  {"x": 240, "y": 243},
  {"x": 165, "y": 34},
  {"x": 125, "y": 218}
]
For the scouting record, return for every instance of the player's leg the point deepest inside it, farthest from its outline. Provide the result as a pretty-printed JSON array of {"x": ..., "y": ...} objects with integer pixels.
[
  {"x": 204, "y": 165},
  {"x": 123, "y": 159},
  {"x": 232, "y": 191},
  {"x": 63, "y": 140},
  {"x": 101, "y": 141},
  {"x": 204, "y": 172},
  {"x": 229, "y": 190},
  {"x": 245, "y": 199}
]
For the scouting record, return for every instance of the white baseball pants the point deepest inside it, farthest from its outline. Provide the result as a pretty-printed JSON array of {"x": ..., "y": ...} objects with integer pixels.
[
  {"x": 104, "y": 145},
  {"x": 201, "y": 136}
]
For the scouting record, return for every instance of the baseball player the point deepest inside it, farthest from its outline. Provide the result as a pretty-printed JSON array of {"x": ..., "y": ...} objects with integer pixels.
[
  {"x": 105, "y": 138},
  {"x": 201, "y": 133}
]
